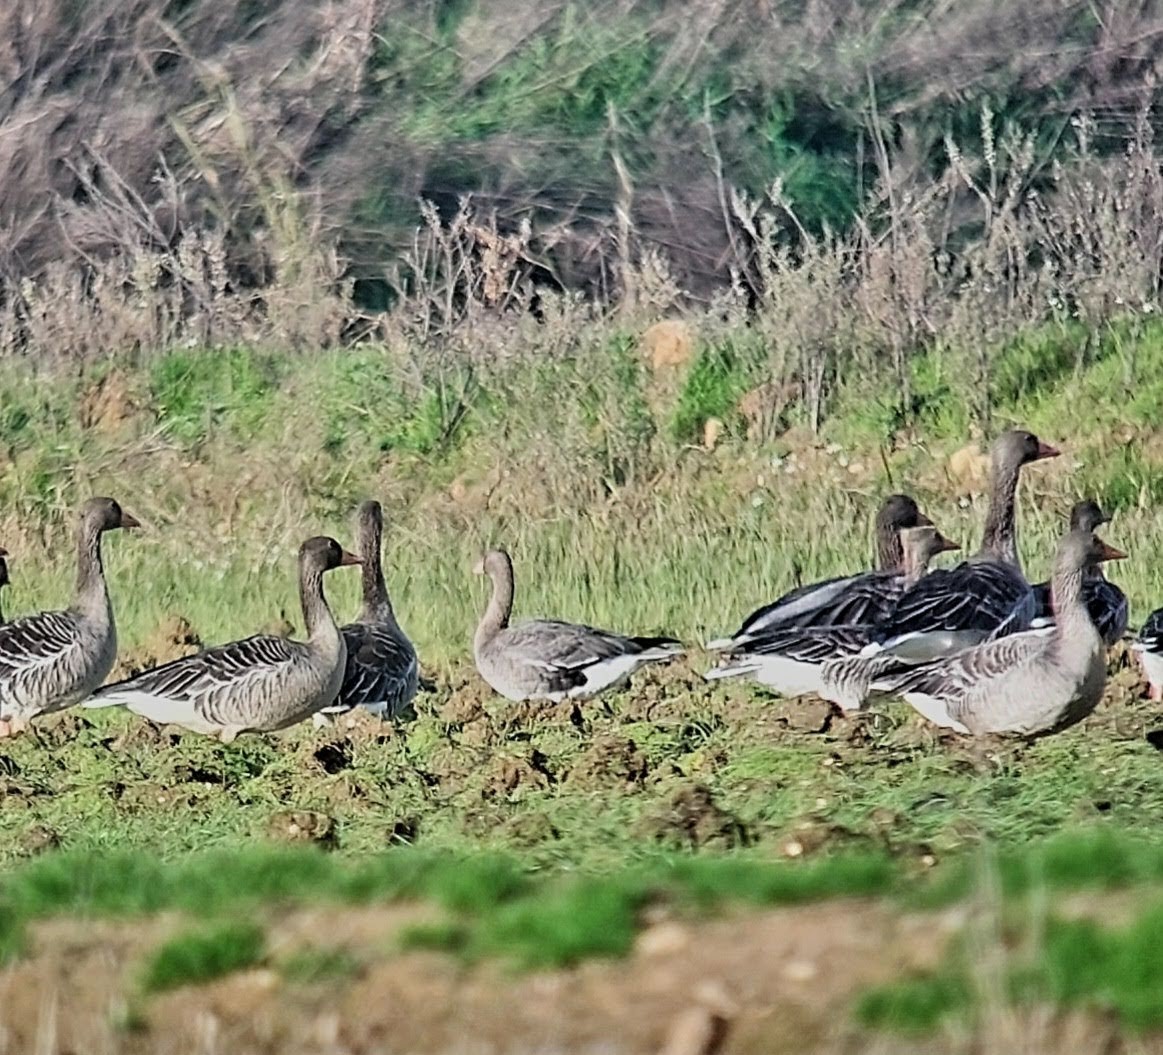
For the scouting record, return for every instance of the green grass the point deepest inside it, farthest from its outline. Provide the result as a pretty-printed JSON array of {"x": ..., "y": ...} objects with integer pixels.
[
  {"x": 1077, "y": 963},
  {"x": 202, "y": 955}
]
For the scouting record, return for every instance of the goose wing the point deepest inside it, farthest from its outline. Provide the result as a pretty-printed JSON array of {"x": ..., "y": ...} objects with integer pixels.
[
  {"x": 214, "y": 686},
  {"x": 33, "y": 640},
  {"x": 813, "y": 644},
  {"x": 1108, "y": 608},
  {"x": 954, "y": 676},
  {"x": 848, "y": 600},
  {"x": 382, "y": 672},
  {"x": 985, "y": 598},
  {"x": 549, "y": 643}
]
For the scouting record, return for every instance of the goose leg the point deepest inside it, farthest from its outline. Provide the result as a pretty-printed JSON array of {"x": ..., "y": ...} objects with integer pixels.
[{"x": 5, "y": 727}]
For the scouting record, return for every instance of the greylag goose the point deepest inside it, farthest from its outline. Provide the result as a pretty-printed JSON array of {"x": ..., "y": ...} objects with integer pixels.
[
  {"x": 1107, "y": 604},
  {"x": 845, "y": 600},
  {"x": 259, "y": 684},
  {"x": 382, "y": 672},
  {"x": 1032, "y": 683},
  {"x": 791, "y": 660},
  {"x": 3, "y": 574},
  {"x": 1149, "y": 647},
  {"x": 551, "y": 660},
  {"x": 984, "y": 597},
  {"x": 51, "y": 660}
]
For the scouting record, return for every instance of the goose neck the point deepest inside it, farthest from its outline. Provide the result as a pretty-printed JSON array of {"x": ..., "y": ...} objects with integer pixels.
[
  {"x": 999, "y": 539},
  {"x": 500, "y": 607},
  {"x": 90, "y": 595},
  {"x": 376, "y": 603},
  {"x": 317, "y": 617}
]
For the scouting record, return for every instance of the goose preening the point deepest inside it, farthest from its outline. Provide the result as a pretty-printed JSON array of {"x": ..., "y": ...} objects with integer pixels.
[
  {"x": 3, "y": 575},
  {"x": 52, "y": 660},
  {"x": 984, "y": 597},
  {"x": 792, "y": 660},
  {"x": 259, "y": 684},
  {"x": 551, "y": 660},
  {"x": 382, "y": 673},
  {"x": 1149, "y": 648},
  {"x": 845, "y": 600},
  {"x": 1107, "y": 604},
  {"x": 1033, "y": 682}
]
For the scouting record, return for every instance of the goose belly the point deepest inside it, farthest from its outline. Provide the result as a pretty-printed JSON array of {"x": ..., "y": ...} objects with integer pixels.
[{"x": 1153, "y": 669}]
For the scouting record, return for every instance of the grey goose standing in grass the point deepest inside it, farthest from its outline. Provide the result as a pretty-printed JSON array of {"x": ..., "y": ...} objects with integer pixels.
[
  {"x": 382, "y": 672},
  {"x": 984, "y": 597},
  {"x": 1031, "y": 683},
  {"x": 1107, "y": 604},
  {"x": 1148, "y": 647},
  {"x": 53, "y": 660},
  {"x": 550, "y": 660},
  {"x": 259, "y": 684},
  {"x": 845, "y": 600},
  {"x": 791, "y": 660}
]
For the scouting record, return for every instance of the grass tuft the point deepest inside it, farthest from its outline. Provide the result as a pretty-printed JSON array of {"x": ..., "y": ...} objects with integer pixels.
[{"x": 203, "y": 955}]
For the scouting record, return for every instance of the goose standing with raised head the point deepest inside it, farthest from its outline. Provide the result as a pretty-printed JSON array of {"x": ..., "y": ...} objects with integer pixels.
[
  {"x": 791, "y": 660},
  {"x": 382, "y": 673},
  {"x": 259, "y": 684},
  {"x": 52, "y": 660},
  {"x": 984, "y": 597},
  {"x": 845, "y": 600},
  {"x": 551, "y": 660},
  {"x": 1148, "y": 647},
  {"x": 1030, "y": 683},
  {"x": 1107, "y": 604}
]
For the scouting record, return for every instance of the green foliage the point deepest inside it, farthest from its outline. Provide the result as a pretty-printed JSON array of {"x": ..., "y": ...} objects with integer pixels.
[
  {"x": 583, "y": 920},
  {"x": 203, "y": 955},
  {"x": 914, "y": 1005},
  {"x": 1119, "y": 971},
  {"x": 195, "y": 391},
  {"x": 712, "y": 388}
]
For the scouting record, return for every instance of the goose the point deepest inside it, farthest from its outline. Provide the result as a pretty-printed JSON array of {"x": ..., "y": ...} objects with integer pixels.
[
  {"x": 3, "y": 574},
  {"x": 259, "y": 684},
  {"x": 984, "y": 597},
  {"x": 1149, "y": 647},
  {"x": 861, "y": 598},
  {"x": 382, "y": 673},
  {"x": 1032, "y": 683},
  {"x": 791, "y": 660},
  {"x": 1107, "y": 604},
  {"x": 52, "y": 660},
  {"x": 551, "y": 660}
]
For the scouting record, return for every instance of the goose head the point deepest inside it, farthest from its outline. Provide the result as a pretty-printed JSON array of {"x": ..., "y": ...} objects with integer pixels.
[
  {"x": 1013, "y": 449},
  {"x": 322, "y": 554},
  {"x": 495, "y": 564},
  {"x": 1087, "y": 515},
  {"x": 106, "y": 514},
  {"x": 924, "y": 542}
]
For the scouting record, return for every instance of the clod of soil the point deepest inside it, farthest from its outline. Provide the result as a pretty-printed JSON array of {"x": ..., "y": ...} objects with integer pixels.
[
  {"x": 611, "y": 761},
  {"x": 807, "y": 714},
  {"x": 174, "y": 638},
  {"x": 691, "y": 818},
  {"x": 510, "y": 772},
  {"x": 299, "y": 826},
  {"x": 38, "y": 838}
]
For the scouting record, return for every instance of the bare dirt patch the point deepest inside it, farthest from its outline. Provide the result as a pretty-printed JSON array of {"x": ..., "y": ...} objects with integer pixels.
[{"x": 780, "y": 981}]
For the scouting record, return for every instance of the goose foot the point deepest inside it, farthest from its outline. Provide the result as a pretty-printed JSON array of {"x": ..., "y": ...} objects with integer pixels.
[{"x": 1155, "y": 692}]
